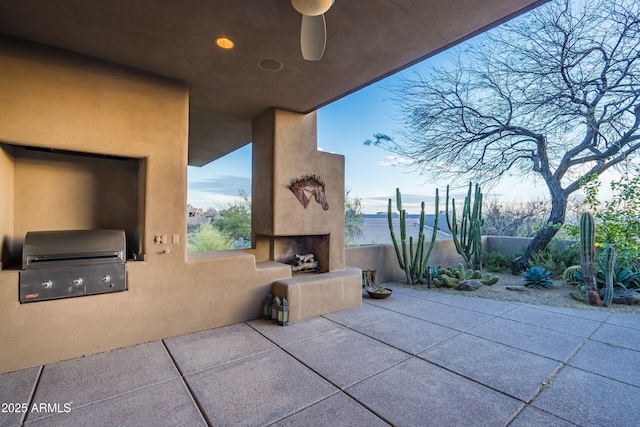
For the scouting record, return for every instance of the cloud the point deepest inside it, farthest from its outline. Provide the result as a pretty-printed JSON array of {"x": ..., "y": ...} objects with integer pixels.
[
  {"x": 406, "y": 198},
  {"x": 227, "y": 185},
  {"x": 394, "y": 161},
  {"x": 410, "y": 202}
]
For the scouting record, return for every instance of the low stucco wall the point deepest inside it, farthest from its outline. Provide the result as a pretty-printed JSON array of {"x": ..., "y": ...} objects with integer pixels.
[
  {"x": 504, "y": 244},
  {"x": 159, "y": 303},
  {"x": 383, "y": 259}
]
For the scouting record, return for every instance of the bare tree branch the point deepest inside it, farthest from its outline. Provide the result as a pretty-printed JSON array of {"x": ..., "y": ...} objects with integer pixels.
[{"x": 555, "y": 94}]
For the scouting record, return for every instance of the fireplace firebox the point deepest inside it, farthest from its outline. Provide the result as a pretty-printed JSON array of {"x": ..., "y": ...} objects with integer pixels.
[{"x": 285, "y": 248}]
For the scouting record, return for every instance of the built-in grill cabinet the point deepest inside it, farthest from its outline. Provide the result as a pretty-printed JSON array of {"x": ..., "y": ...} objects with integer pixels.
[{"x": 62, "y": 264}]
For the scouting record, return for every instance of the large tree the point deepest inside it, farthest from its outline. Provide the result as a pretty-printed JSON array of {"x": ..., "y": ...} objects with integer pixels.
[{"x": 553, "y": 94}]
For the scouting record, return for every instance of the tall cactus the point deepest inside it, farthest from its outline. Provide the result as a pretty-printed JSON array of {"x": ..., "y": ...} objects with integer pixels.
[
  {"x": 413, "y": 263},
  {"x": 609, "y": 271},
  {"x": 467, "y": 234},
  {"x": 588, "y": 250}
]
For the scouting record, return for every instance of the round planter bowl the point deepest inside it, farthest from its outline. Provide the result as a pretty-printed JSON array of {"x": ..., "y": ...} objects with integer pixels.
[{"x": 379, "y": 295}]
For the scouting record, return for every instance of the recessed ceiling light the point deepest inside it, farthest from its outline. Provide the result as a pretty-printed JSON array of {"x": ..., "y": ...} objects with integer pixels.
[
  {"x": 225, "y": 43},
  {"x": 269, "y": 64}
]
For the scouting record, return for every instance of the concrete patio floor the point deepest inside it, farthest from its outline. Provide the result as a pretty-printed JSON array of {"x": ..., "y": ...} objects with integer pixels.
[{"x": 416, "y": 359}]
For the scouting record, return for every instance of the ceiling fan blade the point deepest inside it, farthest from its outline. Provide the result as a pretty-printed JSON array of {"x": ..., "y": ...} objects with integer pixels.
[{"x": 313, "y": 37}]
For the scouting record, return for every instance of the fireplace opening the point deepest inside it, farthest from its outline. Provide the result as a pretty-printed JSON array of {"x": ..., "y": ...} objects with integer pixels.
[{"x": 285, "y": 249}]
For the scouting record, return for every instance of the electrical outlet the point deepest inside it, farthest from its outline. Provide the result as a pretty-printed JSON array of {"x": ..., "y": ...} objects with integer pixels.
[
  {"x": 176, "y": 239},
  {"x": 159, "y": 239}
]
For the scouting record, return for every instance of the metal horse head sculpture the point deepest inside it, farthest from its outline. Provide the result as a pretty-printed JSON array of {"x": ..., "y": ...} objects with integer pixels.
[{"x": 309, "y": 186}]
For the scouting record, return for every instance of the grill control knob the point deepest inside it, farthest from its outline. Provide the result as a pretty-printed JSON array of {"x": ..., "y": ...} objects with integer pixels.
[
  {"x": 77, "y": 282},
  {"x": 106, "y": 278},
  {"x": 47, "y": 285}
]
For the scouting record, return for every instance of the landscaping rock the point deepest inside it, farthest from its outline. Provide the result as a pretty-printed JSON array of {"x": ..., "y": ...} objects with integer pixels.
[
  {"x": 468, "y": 285},
  {"x": 626, "y": 297},
  {"x": 517, "y": 288}
]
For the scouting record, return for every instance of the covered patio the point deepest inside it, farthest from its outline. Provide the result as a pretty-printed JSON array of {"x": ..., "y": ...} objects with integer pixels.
[
  {"x": 419, "y": 358},
  {"x": 105, "y": 105}
]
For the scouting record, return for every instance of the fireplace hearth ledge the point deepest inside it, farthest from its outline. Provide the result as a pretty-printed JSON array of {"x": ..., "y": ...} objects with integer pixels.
[{"x": 312, "y": 295}]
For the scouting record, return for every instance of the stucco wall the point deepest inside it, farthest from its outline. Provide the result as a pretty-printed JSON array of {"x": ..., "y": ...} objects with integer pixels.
[
  {"x": 6, "y": 203},
  {"x": 383, "y": 259},
  {"x": 62, "y": 191},
  {"x": 504, "y": 244},
  {"x": 55, "y": 100},
  {"x": 285, "y": 148}
]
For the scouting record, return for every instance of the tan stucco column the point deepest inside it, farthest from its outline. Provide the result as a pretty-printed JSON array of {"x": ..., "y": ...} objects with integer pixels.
[{"x": 284, "y": 149}]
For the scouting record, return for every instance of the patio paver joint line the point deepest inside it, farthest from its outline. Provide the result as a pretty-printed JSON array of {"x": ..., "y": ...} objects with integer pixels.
[
  {"x": 32, "y": 395},
  {"x": 186, "y": 385},
  {"x": 429, "y": 321}
]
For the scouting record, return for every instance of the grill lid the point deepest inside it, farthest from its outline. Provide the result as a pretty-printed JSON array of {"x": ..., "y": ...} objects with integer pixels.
[{"x": 73, "y": 246}]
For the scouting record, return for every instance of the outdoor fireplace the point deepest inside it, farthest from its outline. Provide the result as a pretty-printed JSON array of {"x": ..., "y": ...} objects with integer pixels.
[{"x": 297, "y": 192}]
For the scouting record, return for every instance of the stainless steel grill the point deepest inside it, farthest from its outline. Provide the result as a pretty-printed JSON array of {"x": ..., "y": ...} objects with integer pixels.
[{"x": 62, "y": 264}]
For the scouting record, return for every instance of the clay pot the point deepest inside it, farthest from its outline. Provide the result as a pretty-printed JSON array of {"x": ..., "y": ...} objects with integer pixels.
[{"x": 377, "y": 294}]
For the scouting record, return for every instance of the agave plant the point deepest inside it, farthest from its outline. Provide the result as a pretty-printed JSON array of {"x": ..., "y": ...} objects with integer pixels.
[
  {"x": 627, "y": 278},
  {"x": 537, "y": 277},
  {"x": 623, "y": 277}
]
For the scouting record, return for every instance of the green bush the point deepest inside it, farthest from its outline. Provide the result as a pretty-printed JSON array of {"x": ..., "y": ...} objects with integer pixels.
[
  {"x": 353, "y": 219},
  {"x": 207, "y": 237},
  {"x": 234, "y": 221},
  {"x": 617, "y": 220},
  {"x": 497, "y": 262},
  {"x": 556, "y": 259}
]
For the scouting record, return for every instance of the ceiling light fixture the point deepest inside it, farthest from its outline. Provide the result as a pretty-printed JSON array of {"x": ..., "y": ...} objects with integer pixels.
[{"x": 225, "y": 43}]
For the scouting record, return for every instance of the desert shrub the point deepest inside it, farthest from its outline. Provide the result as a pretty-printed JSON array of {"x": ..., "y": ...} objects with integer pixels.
[
  {"x": 519, "y": 219},
  {"x": 618, "y": 219},
  {"x": 234, "y": 221},
  {"x": 207, "y": 237},
  {"x": 556, "y": 258},
  {"x": 353, "y": 219},
  {"x": 497, "y": 262}
]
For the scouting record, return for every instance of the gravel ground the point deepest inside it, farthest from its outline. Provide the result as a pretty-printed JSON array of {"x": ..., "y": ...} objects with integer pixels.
[{"x": 557, "y": 296}]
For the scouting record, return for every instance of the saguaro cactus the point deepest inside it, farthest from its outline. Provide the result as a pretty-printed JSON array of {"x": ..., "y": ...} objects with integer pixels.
[
  {"x": 609, "y": 270},
  {"x": 413, "y": 263},
  {"x": 588, "y": 250},
  {"x": 467, "y": 234}
]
